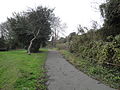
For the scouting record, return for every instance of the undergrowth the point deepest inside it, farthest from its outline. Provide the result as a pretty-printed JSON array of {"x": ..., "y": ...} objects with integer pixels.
[{"x": 107, "y": 76}]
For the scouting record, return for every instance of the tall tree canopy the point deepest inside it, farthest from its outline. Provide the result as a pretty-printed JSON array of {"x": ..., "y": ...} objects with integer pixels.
[
  {"x": 32, "y": 28},
  {"x": 111, "y": 13}
]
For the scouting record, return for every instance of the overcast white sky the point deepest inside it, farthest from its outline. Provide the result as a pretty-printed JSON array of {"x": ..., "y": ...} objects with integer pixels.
[{"x": 72, "y": 12}]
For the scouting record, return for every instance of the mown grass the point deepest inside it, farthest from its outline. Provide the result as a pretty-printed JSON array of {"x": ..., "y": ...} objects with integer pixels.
[
  {"x": 107, "y": 76},
  {"x": 20, "y": 71}
]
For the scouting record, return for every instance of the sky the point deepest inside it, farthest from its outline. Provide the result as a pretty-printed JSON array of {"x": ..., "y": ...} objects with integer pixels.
[{"x": 71, "y": 12}]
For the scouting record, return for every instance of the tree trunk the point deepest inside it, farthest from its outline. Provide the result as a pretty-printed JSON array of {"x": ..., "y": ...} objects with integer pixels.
[
  {"x": 31, "y": 42},
  {"x": 29, "y": 48}
]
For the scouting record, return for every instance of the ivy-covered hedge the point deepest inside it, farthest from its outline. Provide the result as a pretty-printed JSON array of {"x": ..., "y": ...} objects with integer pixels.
[{"x": 98, "y": 52}]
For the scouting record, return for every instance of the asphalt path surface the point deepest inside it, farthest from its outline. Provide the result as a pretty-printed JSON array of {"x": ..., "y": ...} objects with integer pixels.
[{"x": 64, "y": 76}]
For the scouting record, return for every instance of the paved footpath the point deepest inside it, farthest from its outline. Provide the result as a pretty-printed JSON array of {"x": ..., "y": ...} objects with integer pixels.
[{"x": 64, "y": 76}]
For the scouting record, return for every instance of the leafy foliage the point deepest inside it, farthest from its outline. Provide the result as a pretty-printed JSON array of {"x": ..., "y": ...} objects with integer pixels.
[
  {"x": 97, "y": 51},
  {"x": 30, "y": 29},
  {"x": 103, "y": 74},
  {"x": 110, "y": 11},
  {"x": 26, "y": 26}
]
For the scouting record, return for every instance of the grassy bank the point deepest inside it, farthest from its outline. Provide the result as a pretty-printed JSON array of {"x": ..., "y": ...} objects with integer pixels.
[
  {"x": 20, "y": 71},
  {"x": 105, "y": 75}
]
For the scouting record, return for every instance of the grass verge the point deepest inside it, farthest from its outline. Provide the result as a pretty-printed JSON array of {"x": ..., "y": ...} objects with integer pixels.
[
  {"x": 20, "y": 71},
  {"x": 107, "y": 76}
]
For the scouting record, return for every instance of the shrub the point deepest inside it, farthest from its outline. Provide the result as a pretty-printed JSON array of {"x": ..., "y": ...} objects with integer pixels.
[
  {"x": 62, "y": 46},
  {"x": 98, "y": 52}
]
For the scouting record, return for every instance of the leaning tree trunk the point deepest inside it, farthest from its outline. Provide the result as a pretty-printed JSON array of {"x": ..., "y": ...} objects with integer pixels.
[
  {"x": 29, "y": 48},
  {"x": 31, "y": 42}
]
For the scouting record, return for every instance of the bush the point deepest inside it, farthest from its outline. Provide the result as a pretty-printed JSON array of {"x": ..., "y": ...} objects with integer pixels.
[
  {"x": 117, "y": 39},
  {"x": 62, "y": 46},
  {"x": 98, "y": 52}
]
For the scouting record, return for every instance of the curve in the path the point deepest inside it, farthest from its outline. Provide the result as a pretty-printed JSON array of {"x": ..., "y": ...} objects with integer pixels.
[{"x": 64, "y": 76}]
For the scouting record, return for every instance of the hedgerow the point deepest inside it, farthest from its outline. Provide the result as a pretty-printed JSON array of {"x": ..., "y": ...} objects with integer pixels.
[{"x": 105, "y": 53}]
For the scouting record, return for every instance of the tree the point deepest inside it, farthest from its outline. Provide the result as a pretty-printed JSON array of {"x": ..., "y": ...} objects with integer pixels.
[
  {"x": 5, "y": 34},
  {"x": 19, "y": 30},
  {"x": 4, "y": 30},
  {"x": 80, "y": 30},
  {"x": 58, "y": 29},
  {"x": 33, "y": 27},
  {"x": 40, "y": 22},
  {"x": 111, "y": 13},
  {"x": 71, "y": 36}
]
